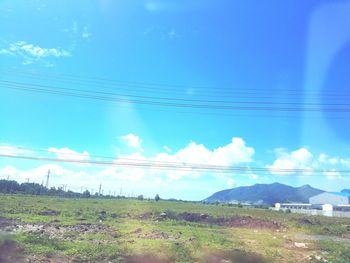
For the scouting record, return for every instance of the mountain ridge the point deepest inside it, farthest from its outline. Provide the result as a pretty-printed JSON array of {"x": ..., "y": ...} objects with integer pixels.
[{"x": 265, "y": 194}]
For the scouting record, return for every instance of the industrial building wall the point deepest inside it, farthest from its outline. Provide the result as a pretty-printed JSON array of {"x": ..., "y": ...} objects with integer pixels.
[{"x": 329, "y": 198}]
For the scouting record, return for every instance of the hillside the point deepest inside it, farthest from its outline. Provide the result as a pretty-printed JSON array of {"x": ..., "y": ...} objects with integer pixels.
[
  {"x": 265, "y": 193},
  {"x": 345, "y": 191}
]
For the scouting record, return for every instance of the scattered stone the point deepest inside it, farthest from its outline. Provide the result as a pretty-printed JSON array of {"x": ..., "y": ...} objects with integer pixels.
[
  {"x": 203, "y": 216},
  {"x": 300, "y": 245},
  {"x": 137, "y": 231},
  {"x": 116, "y": 235},
  {"x": 191, "y": 238},
  {"x": 114, "y": 215},
  {"x": 155, "y": 235},
  {"x": 178, "y": 235},
  {"x": 317, "y": 258}
]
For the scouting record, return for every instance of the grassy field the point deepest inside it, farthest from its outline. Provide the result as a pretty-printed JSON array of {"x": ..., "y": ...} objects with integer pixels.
[{"x": 51, "y": 229}]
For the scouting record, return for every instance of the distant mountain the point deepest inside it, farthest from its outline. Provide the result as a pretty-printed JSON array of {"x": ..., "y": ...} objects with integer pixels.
[
  {"x": 266, "y": 194},
  {"x": 347, "y": 191}
]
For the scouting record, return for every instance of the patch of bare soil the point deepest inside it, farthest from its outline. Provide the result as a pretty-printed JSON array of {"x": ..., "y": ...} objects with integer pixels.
[
  {"x": 322, "y": 238},
  {"x": 7, "y": 225},
  {"x": 235, "y": 256},
  {"x": 65, "y": 232},
  {"x": 236, "y": 221},
  {"x": 10, "y": 252},
  {"x": 49, "y": 259},
  {"x": 49, "y": 213},
  {"x": 146, "y": 259},
  {"x": 54, "y": 230},
  {"x": 155, "y": 235},
  {"x": 309, "y": 221}
]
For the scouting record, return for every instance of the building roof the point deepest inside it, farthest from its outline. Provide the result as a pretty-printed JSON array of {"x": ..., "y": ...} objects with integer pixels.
[{"x": 340, "y": 193}]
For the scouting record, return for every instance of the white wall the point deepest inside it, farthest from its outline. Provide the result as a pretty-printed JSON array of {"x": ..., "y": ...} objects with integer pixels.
[{"x": 329, "y": 198}]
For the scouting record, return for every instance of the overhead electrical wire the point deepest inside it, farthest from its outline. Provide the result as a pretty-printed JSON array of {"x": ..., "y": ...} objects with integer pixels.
[
  {"x": 157, "y": 86},
  {"x": 178, "y": 166},
  {"x": 20, "y": 84},
  {"x": 174, "y": 102}
]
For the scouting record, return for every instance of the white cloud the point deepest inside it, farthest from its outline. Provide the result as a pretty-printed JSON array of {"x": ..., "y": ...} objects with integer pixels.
[
  {"x": 5, "y": 52},
  {"x": 231, "y": 183},
  {"x": 253, "y": 176},
  {"x": 298, "y": 159},
  {"x": 12, "y": 150},
  {"x": 332, "y": 174},
  {"x": 323, "y": 158},
  {"x": 233, "y": 153},
  {"x": 66, "y": 153},
  {"x": 32, "y": 53},
  {"x": 167, "y": 149},
  {"x": 303, "y": 159},
  {"x": 59, "y": 176},
  {"x": 8, "y": 171},
  {"x": 153, "y": 6},
  {"x": 345, "y": 162},
  {"x": 132, "y": 141},
  {"x": 156, "y": 6},
  {"x": 86, "y": 34},
  {"x": 154, "y": 179}
]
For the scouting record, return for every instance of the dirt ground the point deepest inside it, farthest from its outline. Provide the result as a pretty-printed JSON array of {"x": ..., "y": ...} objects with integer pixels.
[
  {"x": 10, "y": 252},
  {"x": 236, "y": 221}
]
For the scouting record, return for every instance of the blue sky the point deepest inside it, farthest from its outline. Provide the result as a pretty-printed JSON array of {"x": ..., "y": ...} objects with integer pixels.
[{"x": 274, "y": 52}]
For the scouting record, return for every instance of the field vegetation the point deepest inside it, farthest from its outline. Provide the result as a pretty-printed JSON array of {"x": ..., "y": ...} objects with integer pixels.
[{"x": 55, "y": 229}]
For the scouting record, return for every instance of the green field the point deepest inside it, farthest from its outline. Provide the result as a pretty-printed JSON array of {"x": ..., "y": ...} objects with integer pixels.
[{"x": 51, "y": 229}]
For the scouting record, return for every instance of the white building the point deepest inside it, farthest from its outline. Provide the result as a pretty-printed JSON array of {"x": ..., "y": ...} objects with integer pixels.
[{"x": 334, "y": 199}]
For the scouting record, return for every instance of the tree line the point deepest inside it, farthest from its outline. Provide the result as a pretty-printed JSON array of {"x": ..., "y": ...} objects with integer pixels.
[{"x": 13, "y": 187}]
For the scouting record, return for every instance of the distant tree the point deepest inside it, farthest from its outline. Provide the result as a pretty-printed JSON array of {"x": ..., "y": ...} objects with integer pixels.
[
  {"x": 86, "y": 194},
  {"x": 140, "y": 197},
  {"x": 157, "y": 198}
]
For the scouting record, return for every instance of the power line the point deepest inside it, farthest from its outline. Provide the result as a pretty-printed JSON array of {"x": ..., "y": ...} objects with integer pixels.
[
  {"x": 30, "y": 85},
  {"x": 178, "y": 166},
  {"x": 86, "y": 80},
  {"x": 172, "y": 163},
  {"x": 80, "y": 94}
]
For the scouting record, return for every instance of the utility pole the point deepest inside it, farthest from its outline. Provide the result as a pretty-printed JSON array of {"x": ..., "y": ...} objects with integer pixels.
[
  {"x": 47, "y": 179},
  {"x": 8, "y": 177},
  {"x": 99, "y": 189}
]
